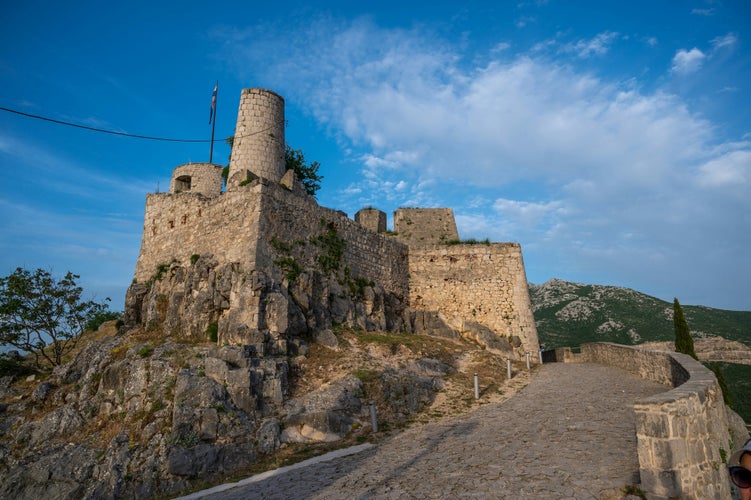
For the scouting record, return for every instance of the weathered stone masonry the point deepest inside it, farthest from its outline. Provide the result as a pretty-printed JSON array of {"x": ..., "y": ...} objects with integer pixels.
[
  {"x": 477, "y": 283},
  {"x": 253, "y": 259}
]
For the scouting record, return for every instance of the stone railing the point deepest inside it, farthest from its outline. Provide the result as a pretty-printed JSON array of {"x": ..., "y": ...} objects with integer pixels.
[{"x": 682, "y": 434}]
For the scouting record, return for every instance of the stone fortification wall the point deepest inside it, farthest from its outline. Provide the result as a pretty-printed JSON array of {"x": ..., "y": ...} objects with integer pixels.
[
  {"x": 297, "y": 221},
  {"x": 203, "y": 178},
  {"x": 475, "y": 283},
  {"x": 232, "y": 258},
  {"x": 179, "y": 225},
  {"x": 681, "y": 433},
  {"x": 259, "y": 137},
  {"x": 425, "y": 226}
]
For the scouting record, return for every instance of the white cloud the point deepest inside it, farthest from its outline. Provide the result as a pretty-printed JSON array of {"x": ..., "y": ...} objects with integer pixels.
[
  {"x": 524, "y": 21},
  {"x": 632, "y": 180},
  {"x": 703, "y": 12},
  {"x": 731, "y": 170},
  {"x": 688, "y": 61},
  {"x": 597, "y": 46},
  {"x": 500, "y": 47},
  {"x": 728, "y": 41}
]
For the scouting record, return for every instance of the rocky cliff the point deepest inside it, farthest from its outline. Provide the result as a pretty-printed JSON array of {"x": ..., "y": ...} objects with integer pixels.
[{"x": 142, "y": 414}]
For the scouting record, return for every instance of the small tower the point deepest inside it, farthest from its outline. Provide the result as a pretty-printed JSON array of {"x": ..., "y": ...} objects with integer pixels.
[
  {"x": 202, "y": 178},
  {"x": 258, "y": 148},
  {"x": 373, "y": 219}
]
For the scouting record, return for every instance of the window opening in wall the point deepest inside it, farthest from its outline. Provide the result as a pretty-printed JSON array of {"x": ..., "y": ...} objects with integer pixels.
[{"x": 182, "y": 183}]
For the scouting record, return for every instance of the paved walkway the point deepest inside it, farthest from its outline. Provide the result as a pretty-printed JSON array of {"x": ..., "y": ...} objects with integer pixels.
[{"x": 568, "y": 434}]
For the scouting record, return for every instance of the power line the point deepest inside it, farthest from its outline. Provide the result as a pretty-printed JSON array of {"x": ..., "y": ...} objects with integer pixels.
[{"x": 95, "y": 129}]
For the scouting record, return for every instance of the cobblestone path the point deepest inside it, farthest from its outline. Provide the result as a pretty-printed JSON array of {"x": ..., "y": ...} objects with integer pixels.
[{"x": 568, "y": 434}]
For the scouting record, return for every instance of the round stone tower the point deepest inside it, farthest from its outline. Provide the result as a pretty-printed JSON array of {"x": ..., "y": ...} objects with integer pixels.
[
  {"x": 203, "y": 178},
  {"x": 258, "y": 149}
]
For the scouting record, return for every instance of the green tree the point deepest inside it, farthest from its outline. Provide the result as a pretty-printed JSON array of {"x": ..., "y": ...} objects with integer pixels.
[
  {"x": 43, "y": 316},
  {"x": 683, "y": 341},
  {"x": 720, "y": 375},
  {"x": 307, "y": 173}
]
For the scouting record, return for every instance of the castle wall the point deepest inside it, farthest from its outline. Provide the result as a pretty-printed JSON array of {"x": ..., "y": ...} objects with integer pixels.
[
  {"x": 482, "y": 283},
  {"x": 296, "y": 220},
  {"x": 179, "y": 225},
  {"x": 250, "y": 226},
  {"x": 425, "y": 226},
  {"x": 263, "y": 231}
]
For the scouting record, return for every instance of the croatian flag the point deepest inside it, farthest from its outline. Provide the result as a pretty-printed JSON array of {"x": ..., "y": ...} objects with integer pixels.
[{"x": 212, "y": 112}]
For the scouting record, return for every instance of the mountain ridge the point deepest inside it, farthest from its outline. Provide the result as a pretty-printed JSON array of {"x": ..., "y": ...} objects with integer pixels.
[{"x": 568, "y": 314}]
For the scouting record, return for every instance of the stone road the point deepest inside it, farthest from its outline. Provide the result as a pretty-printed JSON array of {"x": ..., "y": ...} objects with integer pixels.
[{"x": 568, "y": 434}]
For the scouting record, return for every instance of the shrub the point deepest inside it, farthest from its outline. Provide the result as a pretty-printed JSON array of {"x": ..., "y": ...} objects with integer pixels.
[
  {"x": 101, "y": 317},
  {"x": 145, "y": 351},
  {"x": 212, "y": 331}
]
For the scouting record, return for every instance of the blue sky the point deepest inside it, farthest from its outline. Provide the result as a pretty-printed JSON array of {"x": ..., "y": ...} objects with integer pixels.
[{"x": 611, "y": 139}]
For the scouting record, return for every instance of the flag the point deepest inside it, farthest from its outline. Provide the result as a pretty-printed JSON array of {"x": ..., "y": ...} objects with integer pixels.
[{"x": 212, "y": 112}]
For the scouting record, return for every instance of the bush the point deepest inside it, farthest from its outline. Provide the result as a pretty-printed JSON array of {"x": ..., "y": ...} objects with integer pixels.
[
  {"x": 102, "y": 317},
  {"x": 11, "y": 364},
  {"x": 212, "y": 331}
]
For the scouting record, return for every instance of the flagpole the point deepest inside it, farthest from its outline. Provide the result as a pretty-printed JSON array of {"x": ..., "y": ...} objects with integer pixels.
[{"x": 213, "y": 123}]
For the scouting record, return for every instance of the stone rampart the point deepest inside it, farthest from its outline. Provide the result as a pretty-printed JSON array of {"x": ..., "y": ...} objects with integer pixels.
[
  {"x": 475, "y": 283},
  {"x": 682, "y": 434},
  {"x": 264, "y": 232},
  {"x": 179, "y": 225},
  {"x": 296, "y": 221}
]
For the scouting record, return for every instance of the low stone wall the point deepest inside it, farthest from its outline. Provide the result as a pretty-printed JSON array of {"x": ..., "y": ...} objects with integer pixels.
[{"x": 682, "y": 434}]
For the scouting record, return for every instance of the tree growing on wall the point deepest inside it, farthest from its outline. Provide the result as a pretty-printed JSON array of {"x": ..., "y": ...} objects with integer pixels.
[
  {"x": 683, "y": 341},
  {"x": 42, "y": 315},
  {"x": 307, "y": 173}
]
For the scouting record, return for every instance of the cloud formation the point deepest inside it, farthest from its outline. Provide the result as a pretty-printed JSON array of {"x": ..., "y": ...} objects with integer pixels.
[
  {"x": 605, "y": 175},
  {"x": 688, "y": 61}
]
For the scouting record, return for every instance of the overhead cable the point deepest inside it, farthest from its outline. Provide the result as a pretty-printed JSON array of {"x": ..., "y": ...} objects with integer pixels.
[{"x": 113, "y": 132}]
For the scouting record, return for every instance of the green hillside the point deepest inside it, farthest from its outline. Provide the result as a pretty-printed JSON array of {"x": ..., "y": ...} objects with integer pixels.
[{"x": 570, "y": 314}]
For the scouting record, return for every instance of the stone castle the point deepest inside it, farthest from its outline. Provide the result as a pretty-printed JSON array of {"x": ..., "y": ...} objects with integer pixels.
[{"x": 261, "y": 264}]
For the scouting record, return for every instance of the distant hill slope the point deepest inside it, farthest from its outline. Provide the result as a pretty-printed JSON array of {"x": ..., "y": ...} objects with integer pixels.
[{"x": 570, "y": 314}]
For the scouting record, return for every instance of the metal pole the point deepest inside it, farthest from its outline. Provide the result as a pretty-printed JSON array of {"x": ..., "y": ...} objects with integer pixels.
[
  {"x": 508, "y": 368},
  {"x": 373, "y": 419},
  {"x": 213, "y": 125},
  {"x": 527, "y": 361},
  {"x": 540, "y": 356},
  {"x": 477, "y": 387}
]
